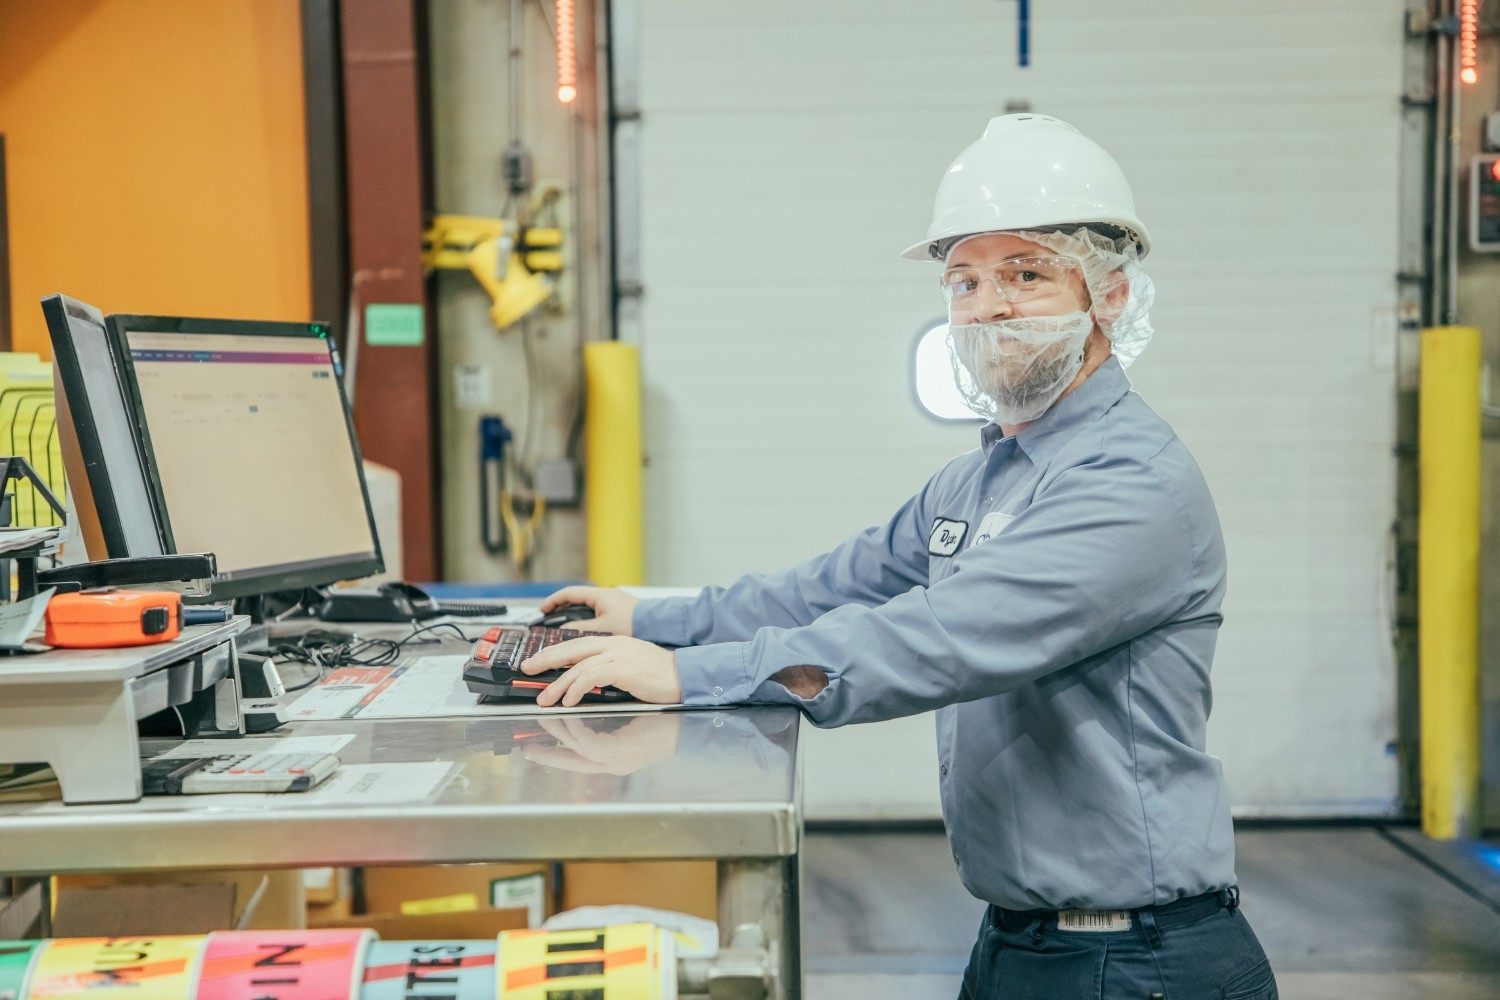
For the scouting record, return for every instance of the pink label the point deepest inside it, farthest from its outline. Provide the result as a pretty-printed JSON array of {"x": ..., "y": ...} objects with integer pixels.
[{"x": 283, "y": 965}]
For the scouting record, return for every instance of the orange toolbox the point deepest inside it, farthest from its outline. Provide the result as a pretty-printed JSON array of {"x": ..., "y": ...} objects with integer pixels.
[{"x": 103, "y": 619}]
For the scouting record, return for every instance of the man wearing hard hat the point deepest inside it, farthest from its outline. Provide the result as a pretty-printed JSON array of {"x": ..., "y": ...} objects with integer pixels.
[{"x": 1054, "y": 595}]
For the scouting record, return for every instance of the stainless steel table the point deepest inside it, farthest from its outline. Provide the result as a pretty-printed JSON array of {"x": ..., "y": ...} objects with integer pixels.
[{"x": 724, "y": 785}]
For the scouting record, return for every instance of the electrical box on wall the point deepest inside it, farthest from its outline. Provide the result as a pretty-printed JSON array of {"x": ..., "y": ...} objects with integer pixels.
[{"x": 1484, "y": 203}]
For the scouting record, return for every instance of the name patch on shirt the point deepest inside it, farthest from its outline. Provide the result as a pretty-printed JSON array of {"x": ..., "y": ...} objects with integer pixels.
[
  {"x": 946, "y": 536},
  {"x": 991, "y": 525},
  {"x": 1093, "y": 921}
]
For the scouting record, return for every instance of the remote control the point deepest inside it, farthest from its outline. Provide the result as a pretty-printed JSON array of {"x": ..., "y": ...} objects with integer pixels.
[{"x": 269, "y": 771}]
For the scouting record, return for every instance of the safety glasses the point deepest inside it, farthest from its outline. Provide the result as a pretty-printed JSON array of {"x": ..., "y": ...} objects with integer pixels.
[{"x": 1015, "y": 280}]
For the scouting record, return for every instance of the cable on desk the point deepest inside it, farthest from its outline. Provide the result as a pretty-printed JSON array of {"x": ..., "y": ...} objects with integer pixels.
[{"x": 326, "y": 649}]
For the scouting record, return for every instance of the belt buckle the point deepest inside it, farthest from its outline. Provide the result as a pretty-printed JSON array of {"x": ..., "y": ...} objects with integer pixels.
[{"x": 1094, "y": 921}]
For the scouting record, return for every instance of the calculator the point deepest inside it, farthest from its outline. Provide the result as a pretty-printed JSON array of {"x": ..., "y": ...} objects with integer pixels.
[{"x": 268, "y": 771}]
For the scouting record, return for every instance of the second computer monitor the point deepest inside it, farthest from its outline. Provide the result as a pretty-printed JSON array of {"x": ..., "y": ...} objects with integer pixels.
[{"x": 245, "y": 432}]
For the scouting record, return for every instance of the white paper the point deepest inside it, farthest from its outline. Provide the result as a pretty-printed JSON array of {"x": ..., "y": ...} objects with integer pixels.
[
  {"x": 428, "y": 687},
  {"x": 260, "y": 744},
  {"x": 19, "y": 620},
  {"x": 20, "y": 538}
]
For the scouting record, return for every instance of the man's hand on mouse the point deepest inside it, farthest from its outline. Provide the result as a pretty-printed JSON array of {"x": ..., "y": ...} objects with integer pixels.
[
  {"x": 643, "y": 669},
  {"x": 613, "y": 609}
]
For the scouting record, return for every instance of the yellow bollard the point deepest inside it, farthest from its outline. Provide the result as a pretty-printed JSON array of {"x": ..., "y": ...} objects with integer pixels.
[
  {"x": 1448, "y": 581},
  {"x": 612, "y": 469}
]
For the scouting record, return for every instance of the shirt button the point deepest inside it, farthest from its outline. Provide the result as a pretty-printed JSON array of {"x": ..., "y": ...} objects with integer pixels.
[
  {"x": 718, "y": 692},
  {"x": 988, "y": 501},
  {"x": 943, "y": 770}
]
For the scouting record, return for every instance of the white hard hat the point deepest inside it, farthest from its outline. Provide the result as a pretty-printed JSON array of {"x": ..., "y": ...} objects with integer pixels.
[{"x": 1031, "y": 172}]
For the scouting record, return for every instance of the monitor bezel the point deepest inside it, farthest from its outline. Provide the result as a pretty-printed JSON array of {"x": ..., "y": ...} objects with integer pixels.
[
  {"x": 77, "y": 419},
  {"x": 253, "y": 580}
]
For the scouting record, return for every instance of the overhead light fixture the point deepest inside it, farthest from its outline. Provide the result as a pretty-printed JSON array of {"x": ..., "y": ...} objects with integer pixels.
[{"x": 567, "y": 60}]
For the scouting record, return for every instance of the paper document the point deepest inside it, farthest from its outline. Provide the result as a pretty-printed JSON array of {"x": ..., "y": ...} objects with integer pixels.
[
  {"x": 19, "y": 620},
  {"x": 21, "y": 538},
  {"x": 425, "y": 688}
]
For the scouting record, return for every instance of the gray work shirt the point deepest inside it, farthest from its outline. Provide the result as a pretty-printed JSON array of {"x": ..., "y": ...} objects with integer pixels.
[{"x": 1055, "y": 597}]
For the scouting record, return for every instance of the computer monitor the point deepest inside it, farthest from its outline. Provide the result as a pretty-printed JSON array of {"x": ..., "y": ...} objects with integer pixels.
[
  {"x": 107, "y": 481},
  {"x": 243, "y": 433}
]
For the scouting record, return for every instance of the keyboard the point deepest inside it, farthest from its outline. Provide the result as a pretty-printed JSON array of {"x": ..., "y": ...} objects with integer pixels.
[
  {"x": 467, "y": 609},
  {"x": 494, "y": 668}
]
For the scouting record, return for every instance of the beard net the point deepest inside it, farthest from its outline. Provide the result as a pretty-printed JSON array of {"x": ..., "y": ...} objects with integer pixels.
[{"x": 1011, "y": 370}]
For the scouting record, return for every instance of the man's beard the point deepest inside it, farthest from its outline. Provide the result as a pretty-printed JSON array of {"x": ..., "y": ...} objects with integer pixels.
[{"x": 1012, "y": 370}]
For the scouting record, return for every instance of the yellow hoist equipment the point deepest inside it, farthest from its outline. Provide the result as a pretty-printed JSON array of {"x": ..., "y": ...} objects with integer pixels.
[{"x": 516, "y": 264}]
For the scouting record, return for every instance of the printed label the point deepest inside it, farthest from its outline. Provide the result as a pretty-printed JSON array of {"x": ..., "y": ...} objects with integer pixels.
[
  {"x": 1094, "y": 921},
  {"x": 287, "y": 965},
  {"x": 15, "y": 959},
  {"x": 154, "y": 968},
  {"x": 624, "y": 962},
  {"x": 946, "y": 536},
  {"x": 430, "y": 970}
]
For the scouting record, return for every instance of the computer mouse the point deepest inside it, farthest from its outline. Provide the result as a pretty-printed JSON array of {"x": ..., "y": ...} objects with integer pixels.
[{"x": 559, "y": 617}]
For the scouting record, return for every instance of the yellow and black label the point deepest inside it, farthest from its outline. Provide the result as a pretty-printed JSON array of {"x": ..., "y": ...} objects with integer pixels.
[{"x": 627, "y": 962}]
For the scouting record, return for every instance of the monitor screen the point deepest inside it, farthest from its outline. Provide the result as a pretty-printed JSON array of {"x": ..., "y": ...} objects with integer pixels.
[
  {"x": 246, "y": 430},
  {"x": 107, "y": 480}
]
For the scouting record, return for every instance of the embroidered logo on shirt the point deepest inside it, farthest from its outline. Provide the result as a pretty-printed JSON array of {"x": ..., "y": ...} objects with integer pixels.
[
  {"x": 1094, "y": 921},
  {"x": 991, "y": 525},
  {"x": 946, "y": 536}
]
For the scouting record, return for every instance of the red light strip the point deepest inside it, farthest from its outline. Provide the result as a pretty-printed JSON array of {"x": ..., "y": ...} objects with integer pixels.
[
  {"x": 567, "y": 61},
  {"x": 1468, "y": 41}
]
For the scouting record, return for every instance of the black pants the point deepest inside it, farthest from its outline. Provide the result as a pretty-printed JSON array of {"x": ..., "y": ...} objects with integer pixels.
[{"x": 1200, "y": 948}]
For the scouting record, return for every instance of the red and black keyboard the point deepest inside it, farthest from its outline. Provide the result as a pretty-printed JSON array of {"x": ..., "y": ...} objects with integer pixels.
[{"x": 494, "y": 667}]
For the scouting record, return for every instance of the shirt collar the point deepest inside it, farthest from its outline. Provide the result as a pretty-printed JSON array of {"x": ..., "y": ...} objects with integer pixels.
[{"x": 1079, "y": 408}]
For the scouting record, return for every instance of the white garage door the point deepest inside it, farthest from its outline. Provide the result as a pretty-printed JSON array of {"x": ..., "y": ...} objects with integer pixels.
[{"x": 789, "y": 151}]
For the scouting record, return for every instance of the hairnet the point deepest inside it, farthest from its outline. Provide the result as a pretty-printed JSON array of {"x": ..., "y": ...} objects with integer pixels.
[{"x": 1107, "y": 262}]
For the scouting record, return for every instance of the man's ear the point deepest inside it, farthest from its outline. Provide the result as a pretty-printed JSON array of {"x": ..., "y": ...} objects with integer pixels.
[{"x": 1111, "y": 302}]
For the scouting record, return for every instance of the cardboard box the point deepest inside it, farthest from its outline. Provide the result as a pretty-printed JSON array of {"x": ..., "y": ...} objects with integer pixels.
[
  {"x": 462, "y": 926},
  {"x": 529, "y": 887},
  {"x": 326, "y": 886},
  {"x": 684, "y": 886},
  {"x": 264, "y": 900},
  {"x": 143, "y": 910}
]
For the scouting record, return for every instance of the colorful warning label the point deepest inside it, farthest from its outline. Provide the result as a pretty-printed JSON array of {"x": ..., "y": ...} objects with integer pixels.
[
  {"x": 413, "y": 970},
  {"x": 627, "y": 962},
  {"x": 15, "y": 959},
  {"x": 145, "y": 968},
  {"x": 283, "y": 965}
]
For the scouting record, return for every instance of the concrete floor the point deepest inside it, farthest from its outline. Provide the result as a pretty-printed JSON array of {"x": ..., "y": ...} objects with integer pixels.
[{"x": 1343, "y": 912}]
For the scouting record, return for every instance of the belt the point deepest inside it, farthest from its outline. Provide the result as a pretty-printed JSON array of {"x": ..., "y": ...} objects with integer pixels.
[{"x": 1175, "y": 913}]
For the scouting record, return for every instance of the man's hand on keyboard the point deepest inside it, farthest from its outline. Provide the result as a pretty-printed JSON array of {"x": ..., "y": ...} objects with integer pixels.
[
  {"x": 613, "y": 608},
  {"x": 644, "y": 669}
]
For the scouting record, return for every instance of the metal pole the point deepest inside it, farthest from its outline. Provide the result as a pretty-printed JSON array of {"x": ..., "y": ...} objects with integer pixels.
[
  {"x": 763, "y": 892},
  {"x": 1448, "y": 585},
  {"x": 1451, "y": 176}
]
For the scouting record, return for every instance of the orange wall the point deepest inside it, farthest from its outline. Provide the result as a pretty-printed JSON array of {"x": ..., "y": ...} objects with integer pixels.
[{"x": 156, "y": 158}]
